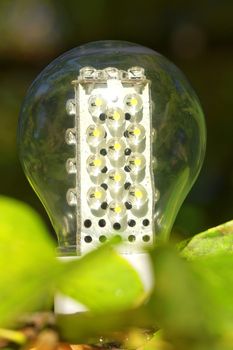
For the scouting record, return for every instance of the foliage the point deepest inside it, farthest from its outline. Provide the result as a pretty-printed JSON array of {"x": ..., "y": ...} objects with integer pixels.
[
  {"x": 30, "y": 272},
  {"x": 191, "y": 302},
  {"x": 218, "y": 239},
  {"x": 26, "y": 251}
]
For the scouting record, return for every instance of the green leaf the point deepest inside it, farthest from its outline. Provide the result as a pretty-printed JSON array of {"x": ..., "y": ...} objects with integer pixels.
[
  {"x": 103, "y": 280},
  {"x": 192, "y": 300},
  {"x": 213, "y": 241},
  {"x": 217, "y": 272},
  {"x": 27, "y": 261},
  {"x": 179, "y": 299},
  {"x": 87, "y": 327}
]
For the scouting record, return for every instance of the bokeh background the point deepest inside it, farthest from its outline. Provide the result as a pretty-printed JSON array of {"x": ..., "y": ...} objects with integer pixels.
[{"x": 196, "y": 35}]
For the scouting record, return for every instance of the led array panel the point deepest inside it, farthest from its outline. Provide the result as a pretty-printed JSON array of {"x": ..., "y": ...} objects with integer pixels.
[{"x": 115, "y": 192}]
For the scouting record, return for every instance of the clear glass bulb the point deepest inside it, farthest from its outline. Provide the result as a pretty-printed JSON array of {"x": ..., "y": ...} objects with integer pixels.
[{"x": 110, "y": 118}]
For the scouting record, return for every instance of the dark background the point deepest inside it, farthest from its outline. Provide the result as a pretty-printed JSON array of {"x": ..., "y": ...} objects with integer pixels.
[{"x": 196, "y": 35}]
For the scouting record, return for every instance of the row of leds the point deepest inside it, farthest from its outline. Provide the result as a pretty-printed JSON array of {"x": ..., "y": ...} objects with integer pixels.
[{"x": 116, "y": 164}]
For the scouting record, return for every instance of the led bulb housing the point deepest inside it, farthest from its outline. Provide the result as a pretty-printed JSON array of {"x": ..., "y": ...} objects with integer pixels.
[
  {"x": 112, "y": 138},
  {"x": 116, "y": 96}
]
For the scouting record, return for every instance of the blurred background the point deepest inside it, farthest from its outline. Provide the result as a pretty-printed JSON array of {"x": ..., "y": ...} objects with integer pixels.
[{"x": 196, "y": 35}]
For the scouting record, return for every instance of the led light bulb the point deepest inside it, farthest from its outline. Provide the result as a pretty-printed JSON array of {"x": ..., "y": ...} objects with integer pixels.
[
  {"x": 104, "y": 119},
  {"x": 96, "y": 196},
  {"x": 135, "y": 136},
  {"x": 117, "y": 215},
  {"x": 116, "y": 151},
  {"x": 116, "y": 182},
  {"x": 136, "y": 164},
  {"x": 133, "y": 106},
  {"x": 97, "y": 107},
  {"x": 95, "y": 135},
  {"x": 96, "y": 168},
  {"x": 116, "y": 121}
]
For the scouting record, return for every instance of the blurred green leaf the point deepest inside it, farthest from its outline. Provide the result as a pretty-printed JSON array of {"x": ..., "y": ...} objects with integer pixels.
[
  {"x": 213, "y": 241},
  {"x": 29, "y": 272},
  {"x": 103, "y": 280},
  {"x": 192, "y": 300},
  {"x": 217, "y": 277},
  {"x": 87, "y": 327},
  {"x": 27, "y": 263},
  {"x": 179, "y": 299}
]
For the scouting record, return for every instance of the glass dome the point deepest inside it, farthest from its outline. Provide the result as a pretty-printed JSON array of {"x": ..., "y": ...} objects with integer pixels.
[{"x": 111, "y": 138}]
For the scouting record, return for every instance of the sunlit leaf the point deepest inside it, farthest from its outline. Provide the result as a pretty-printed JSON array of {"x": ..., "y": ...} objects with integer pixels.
[
  {"x": 213, "y": 241},
  {"x": 27, "y": 262}
]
